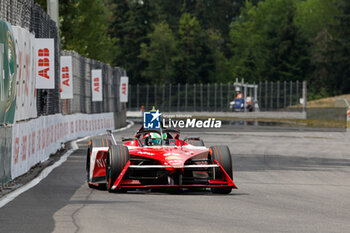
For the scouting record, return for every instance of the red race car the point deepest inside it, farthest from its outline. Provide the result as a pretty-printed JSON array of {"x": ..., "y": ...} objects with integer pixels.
[{"x": 158, "y": 159}]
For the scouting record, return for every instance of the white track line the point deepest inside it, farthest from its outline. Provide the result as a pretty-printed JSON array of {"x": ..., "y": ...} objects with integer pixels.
[{"x": 11, "y": 196}]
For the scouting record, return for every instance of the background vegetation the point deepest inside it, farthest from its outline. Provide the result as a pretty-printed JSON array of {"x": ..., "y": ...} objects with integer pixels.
[{"x": 171, "y": 41}]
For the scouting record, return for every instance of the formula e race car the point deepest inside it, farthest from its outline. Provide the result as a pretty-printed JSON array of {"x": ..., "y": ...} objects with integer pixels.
[{"x": 158, "y": 159}]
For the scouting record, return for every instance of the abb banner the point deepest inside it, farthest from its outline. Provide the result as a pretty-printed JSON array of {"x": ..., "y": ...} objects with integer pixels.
[
  {"x": 123, "y": 92},
  {"x": 45, "y": 61},
  {"x": 33, "y": 141},
  {"x": 96, "y": 85},
  {"x": 66, "y": 77},
  {"x": 26, "y": 91}
]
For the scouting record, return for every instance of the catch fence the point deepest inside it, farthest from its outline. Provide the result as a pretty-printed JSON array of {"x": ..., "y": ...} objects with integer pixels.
[
  {"x": 27, "y": 14},
  {"x": 82, "y": 98},
  {"x": 216, "y": 97}
]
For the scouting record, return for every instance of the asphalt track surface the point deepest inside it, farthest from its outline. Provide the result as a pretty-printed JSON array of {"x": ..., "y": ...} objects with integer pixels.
[{"x": 288, "y": 182}]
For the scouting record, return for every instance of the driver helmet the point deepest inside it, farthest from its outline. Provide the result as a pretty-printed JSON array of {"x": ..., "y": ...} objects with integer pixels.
[
  {"x": 156, "y": 139},
  {"x": 157, "y": 136}
]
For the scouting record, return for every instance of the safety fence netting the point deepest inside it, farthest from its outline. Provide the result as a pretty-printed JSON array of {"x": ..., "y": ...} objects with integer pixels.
[{"x": 30, "y": 117}]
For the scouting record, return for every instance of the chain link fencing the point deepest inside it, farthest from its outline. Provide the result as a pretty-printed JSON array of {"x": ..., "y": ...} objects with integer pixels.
[
  {"x": 216, "y": 97},
  {"x": 30, "y": 16},
  {"x": 82, "y": 100}
]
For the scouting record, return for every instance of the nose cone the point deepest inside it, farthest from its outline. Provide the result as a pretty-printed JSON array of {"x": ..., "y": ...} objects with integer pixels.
[{"x": 175, "y": 161}]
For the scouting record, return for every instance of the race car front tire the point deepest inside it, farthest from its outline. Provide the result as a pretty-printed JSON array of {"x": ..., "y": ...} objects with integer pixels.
[
  {"x": 96, "y": 142},
  {"x": 222, "y": 154},
  {"x": 117, "y": 158}
]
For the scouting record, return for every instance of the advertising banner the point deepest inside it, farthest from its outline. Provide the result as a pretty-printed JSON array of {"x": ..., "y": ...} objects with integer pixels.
[
  {"x": 96, "y": 85},
  {"x": 26, "y": 91},
  {"x": 8, "y": 72},
  {"x": 123, "y": 92},
  {"x": 66, "y": 77},
  {"x": 45, "y": 61},
  {"x": 5, "y": 154},
  {"x": 33, "y": 141}
]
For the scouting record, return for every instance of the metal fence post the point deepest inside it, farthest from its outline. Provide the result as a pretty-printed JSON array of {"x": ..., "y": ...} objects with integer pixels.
[
  {"x": 297, "y": 86},
  {"x": 201, "y": 90},
  {"x": 170, "y": 97},
  {"x": 186, "y": 86},
  {"x": 255, "y": 94},
  {"x": 304, "y": 95},
  {"x": 215, "y": 96},
  {"x": 228, "y": 95},
  {"x": 285, "y": 94},
  {"x": 208, "y": 97},
  {"x": 266, "y": 96},
  {"x": 163, "y": 97},
  {"x": 271, "y": 96},
  {"x": 290, "y": 93},
  {"x": 260, "y": 100},
  {"x": 147, "y": 93},
  {"x": 137, "y": 97},
  {"x": 155, "y": 95},
  {"x": 129, "y": 98},
  {"x": 278, "y": 94},
  {"x": 178, "y": 97},
  {"x": 221, "y": 96},
  {"x": 245, "y": 97},
  {"x": 194, "y": 97}
]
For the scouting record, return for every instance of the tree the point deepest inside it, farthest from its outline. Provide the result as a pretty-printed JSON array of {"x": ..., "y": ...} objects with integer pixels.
[
  {"x": 266, "y": 44},
  {"x": 160, "y": 54},
  {"x": 337, "y": 51},
  {"x": 78, "y": 19},
  {"x": 195, "y": 60},
  {"x": 83, "y": 28},
  {"x": 131, "y": 30},
  {"x": 314, "y": 16}
]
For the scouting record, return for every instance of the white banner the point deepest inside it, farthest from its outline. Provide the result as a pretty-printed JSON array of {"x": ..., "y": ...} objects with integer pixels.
[
  {"x": 96, "y": 85},
  {"x": 66, "y": 77},
  {"x": 33, "y": 141},
  {"x": 123, "y": 91},
  {"x": 26, "y": 91},
  {"x": 45, "y": 60}
]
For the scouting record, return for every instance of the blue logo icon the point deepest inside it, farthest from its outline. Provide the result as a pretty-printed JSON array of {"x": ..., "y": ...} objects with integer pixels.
[{"x": 151, "y": 120}]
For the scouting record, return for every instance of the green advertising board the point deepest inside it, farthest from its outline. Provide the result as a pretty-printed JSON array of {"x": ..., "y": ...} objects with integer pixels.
[
  {"x": 8, "y": 73},
  {"x": 5, "y": 154}
]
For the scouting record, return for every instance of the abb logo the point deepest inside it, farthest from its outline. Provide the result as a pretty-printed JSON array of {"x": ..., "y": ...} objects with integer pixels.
[
  {"x": 16, "y": 150},
  {"x": 65, "y": 75},
  {"x": 44, "y": 62},
  {"x": 124, "y": 88},
  {"x": 97, "y": 84}
]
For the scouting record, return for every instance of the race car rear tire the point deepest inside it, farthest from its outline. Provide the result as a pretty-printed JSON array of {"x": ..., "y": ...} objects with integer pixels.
[
  {"x": 117, "y": 158},
  {"x": 96, "y": 142},
  {"x": 196, "y": 142},
  {"x": 222, "y": 154}
]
